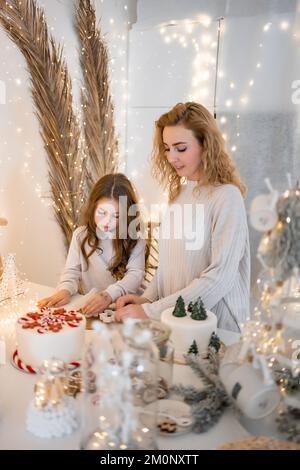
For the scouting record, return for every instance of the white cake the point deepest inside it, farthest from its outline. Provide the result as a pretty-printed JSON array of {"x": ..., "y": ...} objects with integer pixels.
[
  {"x": 50, "y": 333},
  {"x": 185, "y": 330}
]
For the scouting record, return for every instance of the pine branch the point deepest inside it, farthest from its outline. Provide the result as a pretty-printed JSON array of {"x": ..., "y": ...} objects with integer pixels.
[
  {"x": 208, "y": 404},
  {"x": 190, "y": 394},
  {"x": 208, "y": 412},
  {"x": 207, "y": 372}
]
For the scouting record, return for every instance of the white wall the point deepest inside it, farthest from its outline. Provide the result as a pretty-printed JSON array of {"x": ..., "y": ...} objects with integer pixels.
[
  {"x": 32, "y": 232},
  {"x": 162, "y": 72},
  {"x": 257, "y": 116}
]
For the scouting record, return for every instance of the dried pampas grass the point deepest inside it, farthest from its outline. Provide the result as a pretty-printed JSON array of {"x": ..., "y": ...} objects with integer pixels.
[{"x": 98, "y": 111}]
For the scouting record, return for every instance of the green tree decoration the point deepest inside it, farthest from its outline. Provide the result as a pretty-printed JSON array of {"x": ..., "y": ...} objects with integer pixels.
[
  {"x": 179, "y": 310},
  {"x": 215, "y": 342},
  {"x": 190, "y": 307},
  {"x": 198, "y": 310},
  {"x": 193, "y": 348}
]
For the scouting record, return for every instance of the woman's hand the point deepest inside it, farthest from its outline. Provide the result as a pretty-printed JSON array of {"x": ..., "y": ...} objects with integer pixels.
[
  {"x": 130, "y": 299},
  {"x": 96, "y": 304},
  {"x": 58, "y": 299},
  {"x": 130, "y": 311}
]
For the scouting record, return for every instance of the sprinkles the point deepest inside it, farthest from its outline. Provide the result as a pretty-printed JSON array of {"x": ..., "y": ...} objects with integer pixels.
[{"x": 49, "y": 320}]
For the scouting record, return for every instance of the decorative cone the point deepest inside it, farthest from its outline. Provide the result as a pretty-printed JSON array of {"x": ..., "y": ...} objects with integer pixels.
[{"x": 11, "y": 284}]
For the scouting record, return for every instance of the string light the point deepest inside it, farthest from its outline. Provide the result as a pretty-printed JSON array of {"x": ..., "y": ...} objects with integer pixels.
[
  {"x": 284, "y": 25},
  {"x": 267, "y": 27},
  {"x": 244, "y": 99}
]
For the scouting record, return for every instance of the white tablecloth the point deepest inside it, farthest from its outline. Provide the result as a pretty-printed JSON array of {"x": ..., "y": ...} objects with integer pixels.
[{"x": 16, "y": 391}]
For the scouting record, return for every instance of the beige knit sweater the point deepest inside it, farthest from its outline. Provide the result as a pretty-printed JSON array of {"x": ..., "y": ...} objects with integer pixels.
[
  {"x": 218, "y": 271},
  {"x": 98, "y": 275}
]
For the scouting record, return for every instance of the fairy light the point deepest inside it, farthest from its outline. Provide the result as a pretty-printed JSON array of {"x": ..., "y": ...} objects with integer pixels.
[
  {"x": 267, "y": 27},
  {"x": 206, "y": 39},
  {"x": 244, "y": 100},
  {"x": 284, "y": 25}
]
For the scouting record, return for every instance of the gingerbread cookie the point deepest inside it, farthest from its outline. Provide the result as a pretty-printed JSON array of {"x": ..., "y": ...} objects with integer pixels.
[{"x": 167, "y": 426}]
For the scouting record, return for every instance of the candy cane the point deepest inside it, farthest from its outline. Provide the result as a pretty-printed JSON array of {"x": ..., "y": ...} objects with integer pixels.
[
  {"x": 31, "y": 370},
  {"x": 21, "y": 365}
]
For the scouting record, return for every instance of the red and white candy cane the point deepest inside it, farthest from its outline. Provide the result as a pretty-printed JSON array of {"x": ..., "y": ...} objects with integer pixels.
[
  {"x": 32, "y": 370},
  {"x": 22, "y": 366}
]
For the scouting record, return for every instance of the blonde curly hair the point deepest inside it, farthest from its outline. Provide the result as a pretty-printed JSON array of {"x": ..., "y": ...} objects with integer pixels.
[{"x": 218, "y": 167}]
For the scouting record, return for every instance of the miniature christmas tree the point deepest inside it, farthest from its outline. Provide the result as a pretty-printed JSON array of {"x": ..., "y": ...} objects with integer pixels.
[
  {"x": 215, "y": 342},
  {"x": 190, "y": 307},
  {"x": 179, "y": 310},
  {"x": 198, "y": 310},
  {"x": 193, "y": 348},
  {"x": 11, "y": 284}
]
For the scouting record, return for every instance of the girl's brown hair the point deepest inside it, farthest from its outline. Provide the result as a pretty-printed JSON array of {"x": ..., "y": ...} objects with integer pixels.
[
  {"x": 218, "y": 167},
  {"x": 111, "y": 186}
]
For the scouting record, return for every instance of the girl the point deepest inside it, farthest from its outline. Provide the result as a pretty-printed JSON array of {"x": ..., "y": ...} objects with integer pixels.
[
  {"x": 189, "y": 147},
  {"x": 99, "y": 255}
]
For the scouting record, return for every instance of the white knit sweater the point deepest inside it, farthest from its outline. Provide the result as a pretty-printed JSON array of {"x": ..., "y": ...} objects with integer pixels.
[
  {"x": 98, "y": 276},
  {"x": 219, "y": 271}
]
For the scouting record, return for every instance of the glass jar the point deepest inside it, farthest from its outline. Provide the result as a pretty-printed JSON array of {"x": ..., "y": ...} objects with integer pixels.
[
  {"x": 120, "y": 389},
  {"x": 52, "y": 413},
  {"x": 161, "y": 337}
]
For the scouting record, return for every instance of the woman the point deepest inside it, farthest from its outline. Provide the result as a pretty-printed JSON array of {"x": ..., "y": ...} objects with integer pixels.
[{"x": 188, "y": 146}]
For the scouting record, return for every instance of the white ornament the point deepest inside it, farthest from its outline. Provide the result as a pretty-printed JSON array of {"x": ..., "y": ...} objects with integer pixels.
[
  {"x": 108, "y": 316},
  {"x": 263, "y": 214}
]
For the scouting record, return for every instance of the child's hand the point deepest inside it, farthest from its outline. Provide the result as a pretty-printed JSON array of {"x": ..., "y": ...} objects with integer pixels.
[
  {"x": 130, "y": 299},
  {"x": 130, "y": 311},
  {"x": 58, "y": 299},
  {"x": 96, "y": 304}
]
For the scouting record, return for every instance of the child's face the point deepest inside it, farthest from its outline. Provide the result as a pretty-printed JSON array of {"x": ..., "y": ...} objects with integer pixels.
[{"x": 107, "y": 214}]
